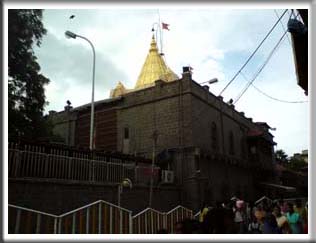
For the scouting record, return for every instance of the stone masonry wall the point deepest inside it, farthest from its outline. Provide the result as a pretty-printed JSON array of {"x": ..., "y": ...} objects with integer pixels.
[
  {"x": 65, "y": 125},
  {"x": 157, "y": 108},
  {"x": 58, "y": 197},
  {"x": 206, "y": 108}
]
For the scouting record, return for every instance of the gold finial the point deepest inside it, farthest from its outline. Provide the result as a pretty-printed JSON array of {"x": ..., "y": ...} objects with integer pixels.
[{"x": 153, "y": 45}]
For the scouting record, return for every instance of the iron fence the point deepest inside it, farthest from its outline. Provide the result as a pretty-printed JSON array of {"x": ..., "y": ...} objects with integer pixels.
[
  {"x": 99, "y": 217},
  {"x": 149, "y": 221},
  {"x": 96, "y": 218},
  {"x": 27, "y": 221},
  {"x": 175, "y": 215},
  {"x": 24, "y": 164}
]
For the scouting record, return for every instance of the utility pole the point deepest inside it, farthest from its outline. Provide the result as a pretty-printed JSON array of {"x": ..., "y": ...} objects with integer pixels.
[{"x": 155, "y": 137}]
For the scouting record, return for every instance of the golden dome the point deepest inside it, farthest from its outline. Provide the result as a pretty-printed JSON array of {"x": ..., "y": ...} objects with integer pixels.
[
  {"x": 118, "y": 90},
  {"x": 154, "y": 69}
]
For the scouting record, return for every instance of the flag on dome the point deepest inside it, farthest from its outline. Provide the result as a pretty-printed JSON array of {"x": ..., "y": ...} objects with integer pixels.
[{"x": 165, "y": 26}]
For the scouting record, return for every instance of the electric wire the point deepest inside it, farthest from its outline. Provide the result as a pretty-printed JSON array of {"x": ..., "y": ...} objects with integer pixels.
[
  {"x": 269, "y": 96},
  {"x": 254, "y": 52},
  {"x": 284, "y": 101},
  {"x": 260, "y": 70},
  {"x": 276, "y": 13},
  {"x": 264, "y": 64}
]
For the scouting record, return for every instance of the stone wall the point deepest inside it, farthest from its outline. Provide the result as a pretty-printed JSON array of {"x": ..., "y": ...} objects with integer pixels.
[
  {"x": 157, "y": 108},
  {"x": 58, "y": 197},
  {"x": 65, "y": 125},
  {"x": 210, "y": 179},
  {"x": 208, "y": 109}
]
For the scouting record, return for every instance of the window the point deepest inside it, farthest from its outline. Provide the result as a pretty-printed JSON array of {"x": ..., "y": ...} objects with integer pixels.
[
  {"x": 214, "y": 136},
  {"x": 126, "y": 133},
  {"x": 231, "y": 143}
]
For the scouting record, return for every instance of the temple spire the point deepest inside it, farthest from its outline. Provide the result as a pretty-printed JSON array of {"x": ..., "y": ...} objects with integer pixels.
[{"x": 154, "y": 68}]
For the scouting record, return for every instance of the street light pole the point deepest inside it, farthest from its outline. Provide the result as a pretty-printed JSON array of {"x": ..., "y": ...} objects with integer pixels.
[
  {"x": 119, "y": 191},
  {"x": 126, "y": 182},
  {"x": 73, "y": 35}
]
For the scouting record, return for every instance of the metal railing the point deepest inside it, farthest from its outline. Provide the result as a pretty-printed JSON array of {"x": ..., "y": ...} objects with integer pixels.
[
  {"x": 149, "y": 221},
  {"x": 27, "y": 221},
  {"x": 26, "y": 164},
  {"x": 177, "y": 214},
  {"x": 197, "y": 215},
  {"x": 99, "y": 217}
]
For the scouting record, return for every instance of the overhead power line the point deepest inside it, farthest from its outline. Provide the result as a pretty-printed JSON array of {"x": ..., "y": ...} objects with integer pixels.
[
  {"x": 284, "y": 101},
  {"x": 276, "y": 13},
  {"x": 262, "y": 67},
  {"x": 267, "y": 35}
]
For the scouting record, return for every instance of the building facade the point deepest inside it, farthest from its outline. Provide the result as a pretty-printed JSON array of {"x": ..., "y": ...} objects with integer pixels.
[{"x": 214, "y": 151}]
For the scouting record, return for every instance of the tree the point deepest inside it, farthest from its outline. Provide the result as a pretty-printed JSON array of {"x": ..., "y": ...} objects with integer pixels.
[
  {"x": 296, "y": 163},
  {"x": 281, "y": 156},
  {"x": 26, "y": 96}
]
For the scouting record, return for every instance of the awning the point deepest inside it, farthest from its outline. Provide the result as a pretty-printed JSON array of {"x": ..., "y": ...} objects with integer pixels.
[
  {"x": 286, "y": 188},
  {"x": 254, "y": 133}
]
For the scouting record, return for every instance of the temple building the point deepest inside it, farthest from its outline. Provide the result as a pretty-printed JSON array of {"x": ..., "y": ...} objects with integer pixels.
[{"x": 201, "y": 144}]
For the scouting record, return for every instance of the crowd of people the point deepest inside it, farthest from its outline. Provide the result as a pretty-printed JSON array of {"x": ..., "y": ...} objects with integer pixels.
[{"x": 239, "y": 217}]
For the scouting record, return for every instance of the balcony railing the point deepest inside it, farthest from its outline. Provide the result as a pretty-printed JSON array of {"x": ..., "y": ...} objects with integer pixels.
[{"x": 26, "y": 164}]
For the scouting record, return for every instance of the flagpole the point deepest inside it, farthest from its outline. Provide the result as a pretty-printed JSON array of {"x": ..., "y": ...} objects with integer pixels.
[
  {"x": 153, "y": 29},
  {"x": 160, "y": 34}
]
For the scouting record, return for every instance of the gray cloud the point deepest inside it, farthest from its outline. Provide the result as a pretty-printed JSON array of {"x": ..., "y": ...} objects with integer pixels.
[
  {"x": 61, "y": 60},
  {"x": 69, "y": 65}
]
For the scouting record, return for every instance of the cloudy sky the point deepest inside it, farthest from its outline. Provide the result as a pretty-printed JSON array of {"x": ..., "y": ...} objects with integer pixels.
[{"x": 215, "y": 42}]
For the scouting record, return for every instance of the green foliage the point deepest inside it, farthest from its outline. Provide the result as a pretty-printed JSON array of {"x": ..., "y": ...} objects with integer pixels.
[
  {"x": 26, "y": 96},
  {"x": 281, "y": 156},
  {"x": 50, "y": 136},
  {"x": 296, "y": 163}
]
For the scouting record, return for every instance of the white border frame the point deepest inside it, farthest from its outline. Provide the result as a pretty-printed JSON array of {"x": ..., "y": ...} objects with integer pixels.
[{"x": 184, "y": 5}]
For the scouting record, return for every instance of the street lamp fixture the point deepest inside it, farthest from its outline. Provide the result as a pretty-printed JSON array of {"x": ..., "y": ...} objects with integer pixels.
[
  {"x": 213, "y": 80},
  {"x": 72, "y": 35}
]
